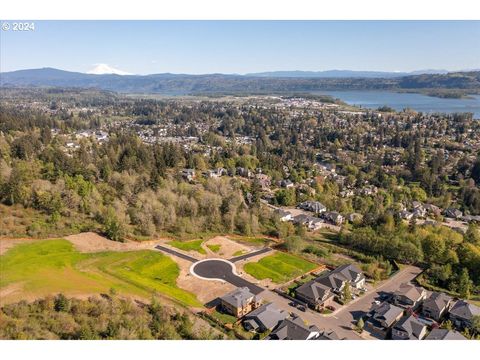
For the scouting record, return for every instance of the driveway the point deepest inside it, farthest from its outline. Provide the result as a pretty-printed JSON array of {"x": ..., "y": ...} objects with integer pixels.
[
  {"x": 223, "y": 270},
  {"x": 252, "y": 254},
  {"x": 175, "y": 253}
]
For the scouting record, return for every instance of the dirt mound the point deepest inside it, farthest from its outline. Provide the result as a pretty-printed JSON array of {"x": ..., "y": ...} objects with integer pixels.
[{"x": 92, "y": 242}]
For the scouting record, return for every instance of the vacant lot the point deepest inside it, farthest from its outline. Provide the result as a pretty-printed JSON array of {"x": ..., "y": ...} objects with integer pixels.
[
  {"x": 53, "y": 266},
  {"x": 280, "y": 267},
  {"x": 193, "y": 245}
]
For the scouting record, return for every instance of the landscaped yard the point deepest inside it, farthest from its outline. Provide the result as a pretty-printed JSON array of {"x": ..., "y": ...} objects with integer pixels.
[
  {"x": 280, "y": 267},
  {"x": 54, "y": 266},
  {"x": 192, "y": 245}
]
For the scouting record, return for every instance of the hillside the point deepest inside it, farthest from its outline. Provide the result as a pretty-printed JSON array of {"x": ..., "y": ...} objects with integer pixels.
[{"x": 178, "y": 84}]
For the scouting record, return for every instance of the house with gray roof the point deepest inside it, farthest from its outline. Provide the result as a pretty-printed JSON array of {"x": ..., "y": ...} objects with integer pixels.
[
  {"x": 264, "y": 318},
  {"x": 409, "y": 296},
  {"x": 445, "y": 334},
  {"x": 239, "y": 302},
  {"x": 453, "y": 213},
  {"x": 294, "y": 329},
  {"x": 436, "y": 305},
  {"x": 283, "y": 215},
  {"x": 333, "y": 217},
  {"x": 313, "y": 206},
  {"x": 462, "y": 313},
  {"x": 315, "y": 294},
  {"x": 329, "y": 335},
  {"x": 336, "y": 279},
  {"x": 409, "y": 328},
  {"x": 381, "y": 319}
]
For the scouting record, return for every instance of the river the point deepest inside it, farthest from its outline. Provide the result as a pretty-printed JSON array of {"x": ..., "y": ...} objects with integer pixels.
[{"x": 400, "y": 101}]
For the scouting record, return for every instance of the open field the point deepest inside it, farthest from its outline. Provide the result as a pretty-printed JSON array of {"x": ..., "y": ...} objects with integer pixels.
[
  {"x": 193, "y": 245},
  {"x": 52, "y": 266},
  {"x": 280, "y": 267}
]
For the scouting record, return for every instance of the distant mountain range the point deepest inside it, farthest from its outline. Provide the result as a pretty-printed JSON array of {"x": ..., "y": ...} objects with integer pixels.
[
  {"x": 343, "y": 74},
  {"x": 272, "y": 82}
]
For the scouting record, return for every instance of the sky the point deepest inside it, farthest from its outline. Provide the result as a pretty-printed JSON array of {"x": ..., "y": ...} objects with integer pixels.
[{"x": 201, "y": 47}]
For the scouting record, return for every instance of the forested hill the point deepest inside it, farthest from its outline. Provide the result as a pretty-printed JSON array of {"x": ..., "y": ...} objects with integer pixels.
[{"x": 468, "y": 82}]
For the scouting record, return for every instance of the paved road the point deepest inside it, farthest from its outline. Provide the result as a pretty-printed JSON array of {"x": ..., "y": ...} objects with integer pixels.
[
  {"x": 217, "y": 269},
  {"x": 249, "y": 255},
  {"x": 342, "y": 320},
  {"x": 360, "y": 306},
  {"x": 176, "y": 253}
]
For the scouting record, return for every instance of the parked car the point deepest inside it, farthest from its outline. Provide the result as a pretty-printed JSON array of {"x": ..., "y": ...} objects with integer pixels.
[
  {"x": 301, "y": 308},
  {"x": 292, "y": 303}
]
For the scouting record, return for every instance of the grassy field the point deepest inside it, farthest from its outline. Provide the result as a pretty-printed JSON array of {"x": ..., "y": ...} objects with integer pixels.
[
  {"x": 54, "y": 266},
  {"x": 193, "y": 245},
  {"x": 214, "y": 247},
  {"x": 251, "y": 240},
  {"x": 280, "y": 267}
]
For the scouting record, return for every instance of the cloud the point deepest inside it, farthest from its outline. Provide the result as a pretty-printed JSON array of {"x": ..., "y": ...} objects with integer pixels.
[{"x": 100, "y": 69}]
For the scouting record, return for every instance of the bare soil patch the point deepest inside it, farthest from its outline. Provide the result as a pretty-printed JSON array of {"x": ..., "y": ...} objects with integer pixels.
[
  {"x": 228, "y": 248},
  {"x": 92, "y": 242}
]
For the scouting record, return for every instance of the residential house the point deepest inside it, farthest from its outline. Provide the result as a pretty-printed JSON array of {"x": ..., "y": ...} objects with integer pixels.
[
  {"x": 189, "y": 174},
  {"x": 314, "y": 223},
  {"x": 301, "y": 219},
  {"x": 264, "y": 318},
  {"x": 462, "y": 313},
  {"x": 313, "y": 206},
  {"x": 336, "y": 279},
  {"x": 436, "y": 305},
  {"x": 333, "y": 217},
  {"x": 346, "y": 193},
  {"x": 264, "y": 181},
  {"x": 294, "y": 329},
  {"x": 409, "y": 328},
  {"x": 405, "y": 215},
  {"x": 445, "y": 334},
  {"x": 381, "y": 319},
  {"x": 283, "y": 215},
  {"x": 315, "y": 294},
  {"x": 286, "y": 183},
  {"x": 243, "y": 172},
  {"x": 419, "y": 213},
  {"x": 453, "y": 213},
  {"x": 239, "y": 302},
  {"x": 409, "y": 296},
  {"x": 432, "y": 209},
  {"x": 328, "y": 335}
]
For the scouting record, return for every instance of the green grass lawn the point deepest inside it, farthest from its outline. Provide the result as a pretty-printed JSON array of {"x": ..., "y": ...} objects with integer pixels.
[
  {"x": 280, "y": 267},
  {"x": 214, "y": 247},
  {"x": 195, "y": 245},
  {"x": 54, "y": 266}
]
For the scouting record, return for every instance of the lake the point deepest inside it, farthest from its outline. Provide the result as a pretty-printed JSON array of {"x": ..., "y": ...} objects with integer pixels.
[{"x": 400, "y": 101}]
